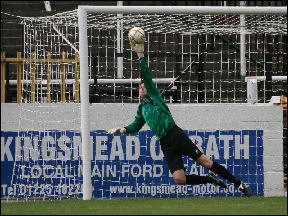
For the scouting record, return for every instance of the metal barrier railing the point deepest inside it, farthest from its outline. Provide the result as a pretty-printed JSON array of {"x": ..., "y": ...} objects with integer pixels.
[{"x": 48, "y": 60}]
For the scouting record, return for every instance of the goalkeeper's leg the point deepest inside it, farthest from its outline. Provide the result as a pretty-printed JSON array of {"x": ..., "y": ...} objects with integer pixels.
[
  {"x": 224, "y": 173},
  {"x": 176, "y": 167},
  {"x": 191, "y": 150},
  {"x": 219, "y": 169},
  {"x": 180, "y": 178},
  {"x": 178, "y": 143}
]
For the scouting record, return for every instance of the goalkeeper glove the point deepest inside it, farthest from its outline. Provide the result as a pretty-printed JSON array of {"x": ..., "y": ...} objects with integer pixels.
[
  {"x": 117, "y": 130},
  {"x": 138, "y": 48}
]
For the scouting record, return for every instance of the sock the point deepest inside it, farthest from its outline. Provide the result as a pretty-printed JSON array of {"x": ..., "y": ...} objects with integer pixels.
[
  {"x": 224, "y": 173},
  {"x": 196, "y": 179}
]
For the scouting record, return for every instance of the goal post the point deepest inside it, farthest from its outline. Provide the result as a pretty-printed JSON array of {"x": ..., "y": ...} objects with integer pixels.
[
  {"x": 84, "y": 95},
  {"x": 83, "y": 47}
]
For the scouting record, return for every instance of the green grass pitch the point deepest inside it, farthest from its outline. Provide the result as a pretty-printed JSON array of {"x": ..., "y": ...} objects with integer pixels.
[{"x": 146, "y": 206}]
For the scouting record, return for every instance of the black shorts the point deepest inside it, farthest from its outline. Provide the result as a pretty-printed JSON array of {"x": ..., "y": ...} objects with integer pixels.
[{"x": 174, "y": 145}]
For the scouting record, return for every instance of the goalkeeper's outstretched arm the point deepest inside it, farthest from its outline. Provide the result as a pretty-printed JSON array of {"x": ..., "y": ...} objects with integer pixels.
[
  {"x": 145, "y": 70},
  {"x": 139, "y": 120},
  {"x": 131, "y": 128}
]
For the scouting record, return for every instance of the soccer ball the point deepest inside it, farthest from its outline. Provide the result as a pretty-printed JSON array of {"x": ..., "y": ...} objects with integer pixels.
[{"x": 137, "y": 35}]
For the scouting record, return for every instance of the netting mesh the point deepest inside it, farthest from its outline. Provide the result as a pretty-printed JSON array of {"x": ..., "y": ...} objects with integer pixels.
[
  {"x": 175, "y": 23},
  {"x": 173, "y": 41}
]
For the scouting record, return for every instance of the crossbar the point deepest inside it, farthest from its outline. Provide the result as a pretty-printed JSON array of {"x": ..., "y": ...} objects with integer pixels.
[{"x": 185, "y": 10}]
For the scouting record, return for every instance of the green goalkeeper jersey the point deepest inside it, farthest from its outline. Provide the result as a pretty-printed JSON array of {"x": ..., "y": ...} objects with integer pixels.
[{"x": 152, "y": 109}]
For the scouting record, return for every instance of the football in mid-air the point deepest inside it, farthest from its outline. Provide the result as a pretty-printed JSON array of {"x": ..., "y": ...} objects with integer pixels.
[{"x": 137, "y": 35}]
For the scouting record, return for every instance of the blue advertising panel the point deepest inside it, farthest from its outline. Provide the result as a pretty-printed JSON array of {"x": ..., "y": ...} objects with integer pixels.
[{"x": 48, "y": 164}]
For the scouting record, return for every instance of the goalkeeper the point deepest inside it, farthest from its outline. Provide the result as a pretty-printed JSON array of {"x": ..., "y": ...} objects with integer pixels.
[{"x": 173, "y": 141}]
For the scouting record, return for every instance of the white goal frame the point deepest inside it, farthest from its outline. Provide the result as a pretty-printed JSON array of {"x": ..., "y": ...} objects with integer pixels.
[{"x": 83, "y": 51}]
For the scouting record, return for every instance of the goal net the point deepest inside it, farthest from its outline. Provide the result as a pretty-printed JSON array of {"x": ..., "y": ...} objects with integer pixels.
[
  {"x": 48, "y": 154},
  {"x": 173, "y": 41}
]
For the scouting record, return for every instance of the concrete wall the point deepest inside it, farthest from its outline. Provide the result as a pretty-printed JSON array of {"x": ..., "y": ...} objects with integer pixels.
[{"x": 266, "y": 117}]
